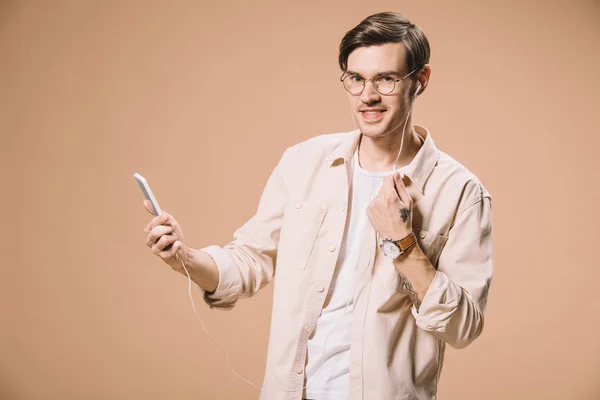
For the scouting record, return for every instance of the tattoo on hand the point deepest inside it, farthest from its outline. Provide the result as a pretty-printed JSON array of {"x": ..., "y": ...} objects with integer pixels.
[
  {"x": 407, "y": 287},
  {"x": 405, "y": 214}
]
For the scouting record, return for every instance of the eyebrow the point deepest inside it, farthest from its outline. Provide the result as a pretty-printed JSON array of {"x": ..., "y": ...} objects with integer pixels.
[{"x": 390, "y": 72}]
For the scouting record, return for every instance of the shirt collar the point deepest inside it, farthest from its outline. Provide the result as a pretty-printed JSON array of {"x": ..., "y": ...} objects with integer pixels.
[{"x": 419, "y": 168}]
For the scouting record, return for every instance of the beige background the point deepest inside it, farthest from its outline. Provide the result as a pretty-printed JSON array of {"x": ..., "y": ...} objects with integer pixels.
[{"x": 202, "y": 99}]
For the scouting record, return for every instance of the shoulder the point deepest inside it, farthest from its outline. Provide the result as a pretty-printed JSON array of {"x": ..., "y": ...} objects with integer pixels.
[
  {"x": 322, "y": 142},
  {"x": 318, "y": 147},
  {"x": 460, "y": 177}
]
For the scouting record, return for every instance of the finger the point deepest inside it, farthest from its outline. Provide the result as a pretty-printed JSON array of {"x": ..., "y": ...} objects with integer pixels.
[
  {"x": 171, "y": 250},
  {"x": 389, "y": 187},
  {"x": 175, "y": 225},
  {"x": 388, "y": 182},
  {"x": 148, "y": 206},
  {"x": 163, "y": 243},
  {"x": 369, "y": 212},
  {"x": 401, "y": 189},
  {"x": 163, "y": 219},
  {"x": 153, "y": 222},
  {"x": 157, "y": 232}
]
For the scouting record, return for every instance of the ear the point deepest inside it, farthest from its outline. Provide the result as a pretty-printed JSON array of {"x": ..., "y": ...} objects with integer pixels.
[{"x": 423, "y": 79}]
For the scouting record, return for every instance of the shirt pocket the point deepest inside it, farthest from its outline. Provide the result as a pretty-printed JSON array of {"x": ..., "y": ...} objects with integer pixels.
[
  {"x": 301, "y": 224},
  {"x": 431, "y": 244}
]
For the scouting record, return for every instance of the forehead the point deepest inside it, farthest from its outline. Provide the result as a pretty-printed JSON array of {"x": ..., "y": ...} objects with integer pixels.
[{"x": 371, "y": 60}]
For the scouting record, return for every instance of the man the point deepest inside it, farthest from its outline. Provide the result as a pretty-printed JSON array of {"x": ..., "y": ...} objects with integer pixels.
[{"x": 375, "y": 271}]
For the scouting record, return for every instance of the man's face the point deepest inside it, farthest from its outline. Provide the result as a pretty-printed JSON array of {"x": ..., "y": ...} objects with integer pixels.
[{"x": 390, "y": 109}]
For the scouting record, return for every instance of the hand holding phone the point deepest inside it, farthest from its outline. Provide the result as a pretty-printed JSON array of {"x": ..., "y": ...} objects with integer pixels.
[{"x": 163, "y": 235}]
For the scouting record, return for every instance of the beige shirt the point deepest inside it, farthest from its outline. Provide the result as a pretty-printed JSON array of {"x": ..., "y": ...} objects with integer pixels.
[{"x": 396, "y": 352}]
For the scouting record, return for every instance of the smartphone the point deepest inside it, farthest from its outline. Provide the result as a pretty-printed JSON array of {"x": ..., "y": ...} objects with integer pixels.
[{"x": 148, "y": 193}]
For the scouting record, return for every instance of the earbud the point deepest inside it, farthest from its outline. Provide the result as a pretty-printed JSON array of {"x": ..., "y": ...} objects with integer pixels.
[{"x": 418, "y": 90}]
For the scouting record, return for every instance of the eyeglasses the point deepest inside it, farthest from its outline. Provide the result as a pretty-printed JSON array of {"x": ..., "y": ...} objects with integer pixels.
[{"x": 383, "y": 83}]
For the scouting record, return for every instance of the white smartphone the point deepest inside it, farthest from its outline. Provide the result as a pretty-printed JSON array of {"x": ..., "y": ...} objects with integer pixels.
[{"x": 147, "y": 193}]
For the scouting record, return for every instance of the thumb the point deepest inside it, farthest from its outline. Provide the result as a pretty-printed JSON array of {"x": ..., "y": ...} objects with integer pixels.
[
  {"x": 401, "y": 188},
  {"x": 148, "y": 207},
  {"x": 398, "y": 178},
  {"x": 398, "y": 182}
]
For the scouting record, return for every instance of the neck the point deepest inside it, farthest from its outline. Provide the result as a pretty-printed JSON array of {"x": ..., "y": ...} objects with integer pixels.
[{"x": 378, "y": 154}]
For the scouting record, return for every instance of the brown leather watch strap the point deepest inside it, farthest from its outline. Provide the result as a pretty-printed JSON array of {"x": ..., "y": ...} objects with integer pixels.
[{"x": 406, "y": 242}]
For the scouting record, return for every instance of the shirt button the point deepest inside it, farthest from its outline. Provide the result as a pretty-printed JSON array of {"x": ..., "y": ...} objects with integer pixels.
[
  {"x": 344, "y": 208},
  {"x": 299, "y": 370},
  {"x": 298, "y": 204},
  {"x": 307, "y": 328},
  {"x": 320, "y": 289},
  {"x": 422, "y": 234},
  {"x": 331, "y": 248}
]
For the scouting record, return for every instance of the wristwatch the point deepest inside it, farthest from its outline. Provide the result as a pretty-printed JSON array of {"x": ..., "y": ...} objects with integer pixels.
[{"x": 395, "y": 248}]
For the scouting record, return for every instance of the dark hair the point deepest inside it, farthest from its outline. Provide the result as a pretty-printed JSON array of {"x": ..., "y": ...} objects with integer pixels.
[{"x": 387, "y": 27}]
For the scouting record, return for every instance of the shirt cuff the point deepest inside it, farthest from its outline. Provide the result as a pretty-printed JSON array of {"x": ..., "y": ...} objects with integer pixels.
[
  {"x": 227, "y": 292},
  {"x": 438, "y": 305}
]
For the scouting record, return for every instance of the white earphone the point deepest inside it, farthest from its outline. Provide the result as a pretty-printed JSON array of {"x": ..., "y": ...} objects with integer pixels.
[{"x": 418, "y": 90}]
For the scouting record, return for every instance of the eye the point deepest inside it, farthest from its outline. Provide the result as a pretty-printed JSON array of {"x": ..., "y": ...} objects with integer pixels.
[
  {"x": 385, "y": 78},
  {"x": 355, "y": 78}
]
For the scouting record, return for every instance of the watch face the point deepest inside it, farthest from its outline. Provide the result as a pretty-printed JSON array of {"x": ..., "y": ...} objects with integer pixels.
[{"x": 391, "y": 250}]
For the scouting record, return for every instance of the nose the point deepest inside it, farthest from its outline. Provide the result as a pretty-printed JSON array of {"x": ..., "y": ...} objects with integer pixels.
[{"x": 369, "y": 94}]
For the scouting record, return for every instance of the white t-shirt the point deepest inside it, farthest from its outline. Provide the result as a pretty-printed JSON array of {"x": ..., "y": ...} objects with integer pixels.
[{"x": 332, "y": 332}]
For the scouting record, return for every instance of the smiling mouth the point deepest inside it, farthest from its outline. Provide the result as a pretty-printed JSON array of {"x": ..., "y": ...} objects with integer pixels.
[{"x": 372, "y": 115}]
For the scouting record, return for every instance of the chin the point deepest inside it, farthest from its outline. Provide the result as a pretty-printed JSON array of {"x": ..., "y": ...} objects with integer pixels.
[{"x": 374, "y": 131}]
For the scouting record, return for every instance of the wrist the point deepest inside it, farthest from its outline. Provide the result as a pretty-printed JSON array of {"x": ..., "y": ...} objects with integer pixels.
[
  {"x": 417, "y": 268},
  {"x": 207, "y": 271},
  {"x": 413, "y": 259},
  {"x": 201, "y": 267},
  {"x": 401, "y": 234},
  {"x": 398, "y": 248}
]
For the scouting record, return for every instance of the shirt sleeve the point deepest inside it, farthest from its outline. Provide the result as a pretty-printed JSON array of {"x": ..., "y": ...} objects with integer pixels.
[
  {"x": 247, "y": 263},
  {"x": 454, "y": 305}
]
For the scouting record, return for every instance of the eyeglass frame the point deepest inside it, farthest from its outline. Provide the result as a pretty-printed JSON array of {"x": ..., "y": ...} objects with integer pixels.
[{"x": 373, "y": 80}]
